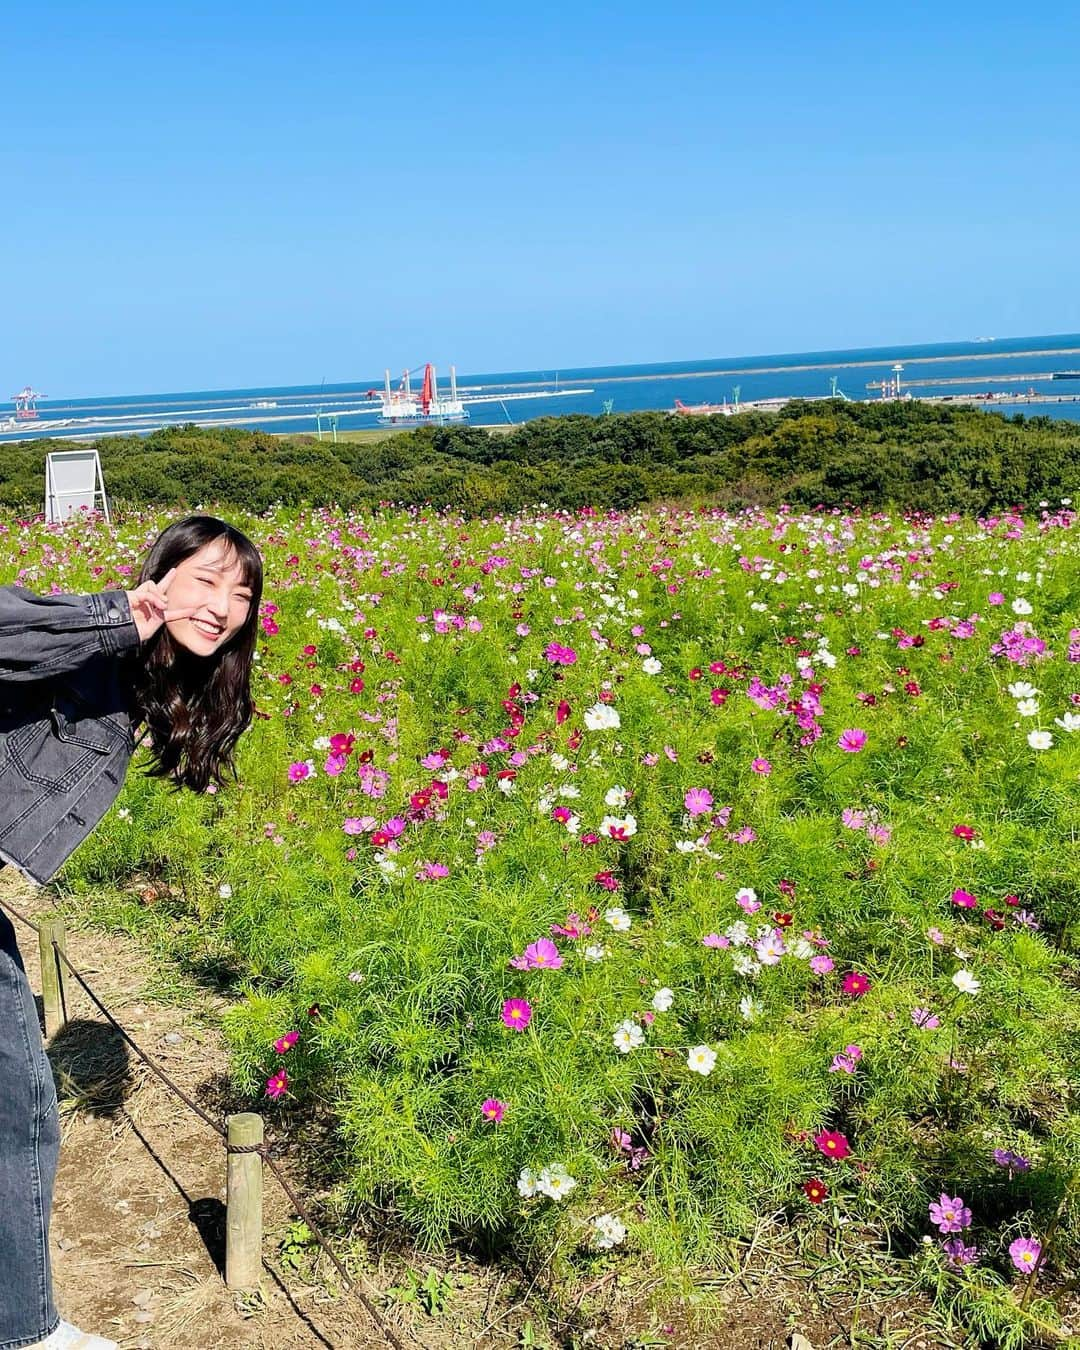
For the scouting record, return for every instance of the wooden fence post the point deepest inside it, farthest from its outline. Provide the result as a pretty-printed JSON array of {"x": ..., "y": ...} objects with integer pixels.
[
  {"x": 52, "y": 976},
  {"x": 244, "y": 1205}
]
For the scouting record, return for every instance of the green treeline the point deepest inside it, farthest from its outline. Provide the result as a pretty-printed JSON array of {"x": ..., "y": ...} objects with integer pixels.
[{"x": 910, "y": 456}]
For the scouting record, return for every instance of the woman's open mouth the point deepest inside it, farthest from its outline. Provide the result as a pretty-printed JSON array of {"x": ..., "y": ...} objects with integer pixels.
[{"x": 207, "y": 630}]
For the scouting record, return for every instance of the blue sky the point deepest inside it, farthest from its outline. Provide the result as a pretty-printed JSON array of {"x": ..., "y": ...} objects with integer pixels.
[{"x": 234, "y": 195}]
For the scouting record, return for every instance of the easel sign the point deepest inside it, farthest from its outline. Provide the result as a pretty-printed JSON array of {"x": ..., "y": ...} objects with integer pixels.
[{"x": 73, "y": 479}]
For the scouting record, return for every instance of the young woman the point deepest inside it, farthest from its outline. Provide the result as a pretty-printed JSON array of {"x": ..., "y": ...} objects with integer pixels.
[{"x": 78, "y": 675}]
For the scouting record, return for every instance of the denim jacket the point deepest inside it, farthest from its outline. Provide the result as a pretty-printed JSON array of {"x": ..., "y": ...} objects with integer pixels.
[{"x": 66, "y": 735}]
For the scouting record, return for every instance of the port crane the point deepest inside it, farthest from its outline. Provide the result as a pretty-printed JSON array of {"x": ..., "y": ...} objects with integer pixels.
[{"x": 26, "y": 403}]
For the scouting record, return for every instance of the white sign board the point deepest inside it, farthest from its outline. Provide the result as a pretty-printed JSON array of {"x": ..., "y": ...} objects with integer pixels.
[{"x": 72, "y": 480}]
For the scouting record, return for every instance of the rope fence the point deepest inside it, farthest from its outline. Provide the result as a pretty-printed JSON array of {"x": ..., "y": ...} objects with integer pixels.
[{"x": 243, "y": 1134}]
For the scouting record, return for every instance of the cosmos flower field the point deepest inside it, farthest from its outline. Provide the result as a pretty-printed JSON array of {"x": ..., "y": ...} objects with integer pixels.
[{"x": 619, "y": 883}]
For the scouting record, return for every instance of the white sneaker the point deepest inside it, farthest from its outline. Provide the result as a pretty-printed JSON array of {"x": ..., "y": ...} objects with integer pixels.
[{"x": 67, "y": 1337}]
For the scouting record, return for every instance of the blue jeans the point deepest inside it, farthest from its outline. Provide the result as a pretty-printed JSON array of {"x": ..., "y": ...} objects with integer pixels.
[{"x": 29, "y": 1151}]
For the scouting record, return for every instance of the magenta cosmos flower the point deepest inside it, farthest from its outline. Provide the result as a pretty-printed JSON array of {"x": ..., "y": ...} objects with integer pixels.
[
  {"x": 852, "y": 740},
  {"x": 1025, "y": 1253},
  {"x": 516, "y": 1013},
  {"x": 559, "y": 655},
  {"x": 493, "y": 1109},
  {"x": 950, "y": 1214},
  {"x": 278, "y": 1085},
  {"x": 855, "y": 984},
  {"x": 286, "y": 1042},
  {"x": 832, "y": 1144},
  {"x": 698, "y": 801}
]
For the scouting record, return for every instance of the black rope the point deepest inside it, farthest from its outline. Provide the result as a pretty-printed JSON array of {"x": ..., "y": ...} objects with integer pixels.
[{"x": 263, "y": 1150}]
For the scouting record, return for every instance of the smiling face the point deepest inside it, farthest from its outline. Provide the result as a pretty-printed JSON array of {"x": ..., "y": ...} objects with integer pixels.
[{"x": 211, "y": 583}]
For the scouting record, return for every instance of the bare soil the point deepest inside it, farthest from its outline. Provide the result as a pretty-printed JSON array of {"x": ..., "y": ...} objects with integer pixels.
[{"x": 137, "y": 1234}]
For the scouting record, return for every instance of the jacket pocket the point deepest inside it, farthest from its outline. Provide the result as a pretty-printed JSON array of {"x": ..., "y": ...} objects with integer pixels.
[{"x": 59, "y": 749}]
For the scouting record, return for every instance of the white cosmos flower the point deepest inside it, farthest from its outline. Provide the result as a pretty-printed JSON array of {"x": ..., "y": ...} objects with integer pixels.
[
  {"x": 1021, "y": 689},
  {"x": 569, "y": 791},
  {"x": 966, "y": 982},
  {"x": 225, "y": 890},
  {"x": 663, "y": 999},
  {"x": 1070, "y": 722},
  {"x": 651, "y": 666},
  {"x": 770, "y": 949},
  {"x": 615, "y": 797},
  {"x": 610, "y": 1231},
  {"x": 701, "y": 1059},
  {"x": 555, "y": 1181},
  {"x": 594, "y": 952},
  {"x": 745, "y": 964},
  {"x": 560, "y": 763},
  {"x": 1020, "y": 606},
  {"x": 1040, "y": 740},
  {"x": 1028, "y": 707},
  {"x": 600, "y": 717},
  {"x": 627, "y": 1036},
  {"x": 746, "y": 893},
  {"x": 750, "y": 1008},
  {"x": 618, "y": 918},
  {"x": 616, "y": 827},
  {"x": 527, "y": 1184}
]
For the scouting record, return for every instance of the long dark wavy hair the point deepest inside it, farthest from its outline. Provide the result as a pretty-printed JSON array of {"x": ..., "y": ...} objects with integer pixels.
[{"x": 196, "y": 708}]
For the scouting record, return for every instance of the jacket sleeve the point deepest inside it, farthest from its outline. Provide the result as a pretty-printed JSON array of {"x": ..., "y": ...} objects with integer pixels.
[{"x": 46, "y": 635}]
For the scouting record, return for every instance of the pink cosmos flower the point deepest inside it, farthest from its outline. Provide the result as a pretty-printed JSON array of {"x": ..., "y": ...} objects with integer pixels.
[
  {"x": 964, "y": 899},
  {"x": 516, "y": 1013},
  {"x": 761, "y": 766},
  {"x": 715, "y": 940},
  {"x": 493, "y": 1109},
  {"x": 543, "y": 955},
  {"x": 278, "y": 1085},
  {"x": 286, "y": 1042},
  {"x": 300, "y": 770},
  {"x": 1025, "y": 1253},
  {"x": 923, "y": 1017},
  {"x": 852, "y": 740},
  {"x": 950, "y": 1214},
  {"x": 845, "y": 1060},
  {"x": 698, "y": 801},
  {"x": 574, "y": 927},
  {"x": 958, "y": 1253},
  {"x": 559, "y": 655},
  {"x": 821, "y": 965}
]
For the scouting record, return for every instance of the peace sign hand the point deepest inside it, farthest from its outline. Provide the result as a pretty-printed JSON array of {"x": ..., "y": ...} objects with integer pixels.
[{"x": 149, "y": 606}]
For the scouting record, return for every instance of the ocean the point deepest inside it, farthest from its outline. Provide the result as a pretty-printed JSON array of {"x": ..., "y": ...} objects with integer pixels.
[{"x": 1008, "y": 370}]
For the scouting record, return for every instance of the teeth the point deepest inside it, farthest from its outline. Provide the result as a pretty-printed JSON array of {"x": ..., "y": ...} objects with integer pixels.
[{"x": 205, "y": 628}]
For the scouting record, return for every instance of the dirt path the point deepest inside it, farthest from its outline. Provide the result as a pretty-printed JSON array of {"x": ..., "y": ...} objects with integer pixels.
[{"x": 137, "y": 1233}]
